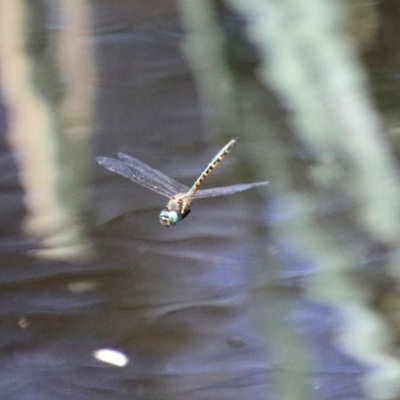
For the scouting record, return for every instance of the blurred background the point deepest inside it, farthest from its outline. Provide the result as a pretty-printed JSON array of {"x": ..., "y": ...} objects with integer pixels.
[{"x": 286, "y": 291}]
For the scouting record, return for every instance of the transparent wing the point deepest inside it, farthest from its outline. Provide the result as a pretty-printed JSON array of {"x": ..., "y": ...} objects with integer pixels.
[
  {"x": 142, "y": 174},
  {"x": 223, "y": 191},
  {"x": 177, "y": 187}
]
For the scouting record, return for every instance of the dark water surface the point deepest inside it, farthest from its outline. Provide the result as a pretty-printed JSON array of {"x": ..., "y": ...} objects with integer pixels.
[{"x": 212, "y": 308}]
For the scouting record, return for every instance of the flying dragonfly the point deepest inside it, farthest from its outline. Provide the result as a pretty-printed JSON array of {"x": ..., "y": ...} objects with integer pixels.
[{"x": 180, "y": 196}]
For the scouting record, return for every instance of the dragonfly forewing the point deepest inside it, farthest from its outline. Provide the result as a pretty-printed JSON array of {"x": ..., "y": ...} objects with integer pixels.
[
  {"x": 152, "y": 173},
  {"x": 225, "y": 190},
  {"x": 141, "y": 174}
]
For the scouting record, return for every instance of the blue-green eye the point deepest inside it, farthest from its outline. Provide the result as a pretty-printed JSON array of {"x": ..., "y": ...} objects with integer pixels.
[{"x": 168, "y": 218}]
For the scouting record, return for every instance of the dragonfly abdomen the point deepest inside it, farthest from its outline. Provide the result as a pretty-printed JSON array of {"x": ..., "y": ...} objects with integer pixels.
[{"x": 214, "y": 162}]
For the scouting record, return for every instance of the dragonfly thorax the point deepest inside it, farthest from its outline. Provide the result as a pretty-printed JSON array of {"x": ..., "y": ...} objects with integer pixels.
[{"x": 176, "y": 209}]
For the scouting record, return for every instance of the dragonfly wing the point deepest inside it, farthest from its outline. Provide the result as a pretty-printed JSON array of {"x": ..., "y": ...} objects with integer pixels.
[
  {"x": 142, "y": 176},
  {"x": 177, "y": 187},
  {"x": 223, "y": 191}
]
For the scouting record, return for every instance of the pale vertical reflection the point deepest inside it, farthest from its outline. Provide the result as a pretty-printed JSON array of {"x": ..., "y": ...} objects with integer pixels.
[
  {"x": 31, "y": 128},
  {"x": 77, "y": 67},
  {"x": 76, "y": 62},
  {"x": 203, "y": 47},
  {"x": 313, "y": 68},
  {"x": 34, "y": 126}
]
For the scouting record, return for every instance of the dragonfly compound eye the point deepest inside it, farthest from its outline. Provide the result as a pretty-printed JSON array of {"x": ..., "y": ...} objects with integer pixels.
[{"x": 168, "y": 218}]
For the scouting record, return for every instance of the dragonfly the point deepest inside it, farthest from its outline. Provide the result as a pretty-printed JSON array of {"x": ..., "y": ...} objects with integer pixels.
[{"x": 180, "y": 196}]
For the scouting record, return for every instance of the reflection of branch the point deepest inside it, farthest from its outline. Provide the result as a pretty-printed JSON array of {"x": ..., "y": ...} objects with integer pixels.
[
  {"x": 49, "y": 141},
  {"x": 204, "y": 49},
  {"x": 314, "y": 70}
]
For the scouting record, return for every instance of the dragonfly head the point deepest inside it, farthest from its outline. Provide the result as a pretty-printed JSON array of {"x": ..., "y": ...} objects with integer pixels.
[{"x": 168, "y": 217}]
